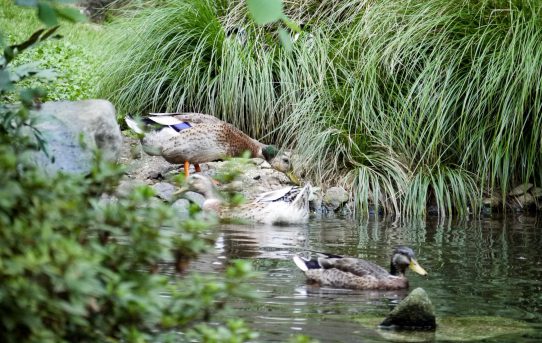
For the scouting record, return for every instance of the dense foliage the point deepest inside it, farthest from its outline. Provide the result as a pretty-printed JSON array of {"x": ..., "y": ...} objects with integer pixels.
[
  {"x": 407, "y": 103},
  {"x": 71, "y": 59},
  {"x": 78, "y": 265}
]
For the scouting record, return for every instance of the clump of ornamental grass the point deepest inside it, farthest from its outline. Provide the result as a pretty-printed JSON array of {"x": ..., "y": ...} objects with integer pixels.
[{"x": 405, "y": 103}]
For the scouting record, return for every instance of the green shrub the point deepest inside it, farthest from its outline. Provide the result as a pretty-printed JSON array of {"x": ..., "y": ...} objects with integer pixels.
[
  {"x": 78, "y": 265},
  {"x": 406, "y": 103},
  {"x": 73, "y": 58}
]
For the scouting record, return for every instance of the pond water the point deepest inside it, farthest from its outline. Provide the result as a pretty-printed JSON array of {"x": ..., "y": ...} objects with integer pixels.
[{"x": 487, "y": 267}]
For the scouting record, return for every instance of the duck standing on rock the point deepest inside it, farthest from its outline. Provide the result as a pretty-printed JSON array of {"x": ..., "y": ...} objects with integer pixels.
[
  {"x": 289, "y": 205},
  {"x": 347, "y": 272},
  {"x": 195, "y": 138}
]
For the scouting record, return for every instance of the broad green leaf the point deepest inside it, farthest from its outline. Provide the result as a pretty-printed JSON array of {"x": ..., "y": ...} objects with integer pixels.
[
  {"x": 284, "y": 37},
  {"x": 70, "y": 14},
  {"x": 265, "y": 11},
  {"x": 47, "y": 14},
  {"x": 5, "y": 81}
]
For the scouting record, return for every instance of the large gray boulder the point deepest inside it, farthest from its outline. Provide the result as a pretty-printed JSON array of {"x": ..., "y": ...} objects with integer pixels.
[
  {"x": 415, "y": 312},
  {"x": 72, "y": 129}
]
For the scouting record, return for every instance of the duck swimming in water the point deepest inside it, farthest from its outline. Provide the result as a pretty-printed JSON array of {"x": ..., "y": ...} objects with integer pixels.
[
  {"x": 185, "y": 138},
  {"x": 347, "y": 272}
]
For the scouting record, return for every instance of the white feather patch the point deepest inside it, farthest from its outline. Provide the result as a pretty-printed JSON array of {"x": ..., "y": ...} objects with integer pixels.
[
  {"x": 300, "y": 263},
  {"x": 132, "y": 124},
  {"x": 165, "y": 120},
  {"x": 273, "y": 195}
]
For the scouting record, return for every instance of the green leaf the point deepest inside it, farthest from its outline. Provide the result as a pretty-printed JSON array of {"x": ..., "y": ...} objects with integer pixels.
[
  {"x": 285, "y": 39},
  {"x": 5, "y": 81},
  {"x": 47, "y": 14},
  {"x": 71, "y": 14},
  {"x": 292, "y": 25},
  {"x": 265, "y": 11}
]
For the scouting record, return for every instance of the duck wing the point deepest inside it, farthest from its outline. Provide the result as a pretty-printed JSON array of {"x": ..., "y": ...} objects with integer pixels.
[
  {"x": 190, "y": 117},
  {"x": 353, "y": 265},
  {"x": 274, "y": 195}
]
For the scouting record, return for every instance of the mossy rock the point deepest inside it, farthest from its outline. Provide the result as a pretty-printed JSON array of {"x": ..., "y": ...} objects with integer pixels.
[
  {"x": 415, "y": 312},
  {"x": 454, "y": 329}
]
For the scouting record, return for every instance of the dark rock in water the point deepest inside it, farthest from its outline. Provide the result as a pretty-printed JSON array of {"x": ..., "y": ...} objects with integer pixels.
[
  {"x": 67, "y": 125},
  {"x": 415, "y": 312}
]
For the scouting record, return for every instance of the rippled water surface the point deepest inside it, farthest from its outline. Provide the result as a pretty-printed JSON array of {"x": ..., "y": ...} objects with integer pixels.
[{"x": 476, "y": 268}]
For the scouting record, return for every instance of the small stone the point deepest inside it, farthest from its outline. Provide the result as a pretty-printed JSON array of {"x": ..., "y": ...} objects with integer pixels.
[
  {"x": 164, "y": 190},
  {"x": 536, "y": 192},
  {"x": 181, "y": 207},
  {"x": 136, "y": 150},
  {"x": 493, "y": 201},
  {"x": 524, "y": 200},
  {"x": 127, "y": 186},
  {"x": 194, "y": 197},
  {"x": 521, "y": 189},
  {"x": 234, "y": 186},
  {"x": 265, "y": 165},
  {"x": 415, "y": 312},
  {"x": 335, "y": 197}
]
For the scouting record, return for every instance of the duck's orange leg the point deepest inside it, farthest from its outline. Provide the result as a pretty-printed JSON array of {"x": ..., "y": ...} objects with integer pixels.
[
  {"x": 186, "y": 168},
  {"x": 198, "y": 168}
]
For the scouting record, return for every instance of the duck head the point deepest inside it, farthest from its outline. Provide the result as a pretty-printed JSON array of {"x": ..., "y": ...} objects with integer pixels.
[{"x": 403, "y": 258}]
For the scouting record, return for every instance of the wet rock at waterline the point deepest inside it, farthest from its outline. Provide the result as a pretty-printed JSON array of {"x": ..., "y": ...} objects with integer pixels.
[
  {"x": 521, "y": 189},
  {"x": 454, "y": 329},
  {"x": 73, "y": 129},
  {"x": 415, "y": 312},
  {"x": 334, "y": 197}
]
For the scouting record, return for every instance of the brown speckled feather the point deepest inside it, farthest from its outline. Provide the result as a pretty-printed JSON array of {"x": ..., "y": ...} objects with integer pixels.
[
  {"x": 208, "y": 139},
  {"x": 340, "y": 279}
]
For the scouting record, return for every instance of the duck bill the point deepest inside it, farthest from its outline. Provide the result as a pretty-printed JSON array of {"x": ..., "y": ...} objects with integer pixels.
[
  {"x": 291, "y": 175},
  {"x": 416, "y": 267}
]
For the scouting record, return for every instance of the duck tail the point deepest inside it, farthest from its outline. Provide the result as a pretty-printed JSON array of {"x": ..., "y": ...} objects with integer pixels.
[
  {"x": 132, "y": 124},
  {"x": 305, "y": 264},
  {"x": 300, "y": 263},
  {"x": 301, "y": 201}
]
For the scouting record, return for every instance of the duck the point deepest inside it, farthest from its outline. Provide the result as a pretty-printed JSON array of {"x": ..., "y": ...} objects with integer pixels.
[
  {"x": 285, "y": 206},
  {"x": 353, "y": 273},
  {"x": 194, "y": 138}
]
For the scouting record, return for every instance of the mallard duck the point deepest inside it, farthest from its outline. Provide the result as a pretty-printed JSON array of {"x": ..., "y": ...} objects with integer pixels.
[
  {"x": 347, "y": 272},
  {"x": 195, "y": 138},
  {"x": 289, "y": 205}
]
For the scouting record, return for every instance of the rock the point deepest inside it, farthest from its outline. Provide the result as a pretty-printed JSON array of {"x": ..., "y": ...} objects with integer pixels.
[
  {"x": 456, "y": 329},
  {"x": 126, "y": 186},
  {"x": 181, "y": 207},
  {"x": 234, "y": 186},
  {"x": 66, "y": 125},
  {"x": 492, "y": 201},
  {"x": 315, "y": 199},
  {"x": 335, "y": 197},
  {"x": 524, "y": 200},
  {"x": 521, "y": 189},
  {"x": 164, "y": 190},
  {"x": 536, "y": 192},
  {"x": 414, "y": 312},
  {"x": 194, "y": 197}
]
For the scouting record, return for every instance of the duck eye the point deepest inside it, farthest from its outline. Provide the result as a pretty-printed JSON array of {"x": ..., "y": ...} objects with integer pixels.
[{"x": 285, "y": 160}]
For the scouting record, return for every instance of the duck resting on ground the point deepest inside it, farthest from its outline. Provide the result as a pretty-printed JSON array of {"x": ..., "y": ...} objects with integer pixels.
[
  {"x": 347, "y": 272},
  {"x": 289, "y": 205},
  {"x": 195, "y": 138}
]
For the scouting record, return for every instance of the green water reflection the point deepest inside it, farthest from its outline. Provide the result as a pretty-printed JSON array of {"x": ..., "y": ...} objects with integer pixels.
[{"x": 485, "y": 267}]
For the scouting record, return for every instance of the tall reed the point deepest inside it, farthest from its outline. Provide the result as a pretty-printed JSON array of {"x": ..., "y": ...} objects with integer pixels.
[{"x": 406, "y": 103}]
